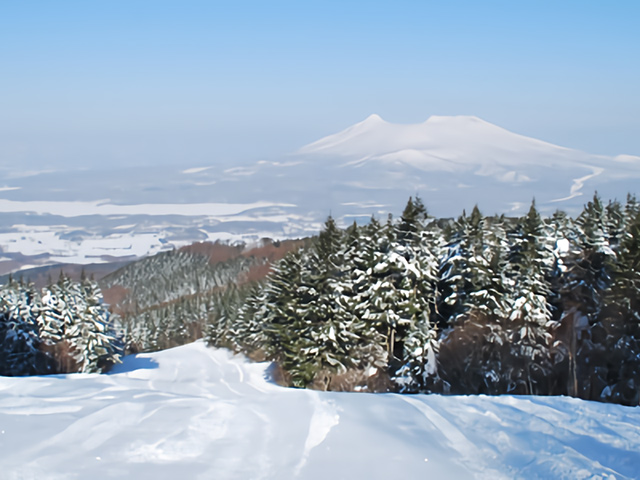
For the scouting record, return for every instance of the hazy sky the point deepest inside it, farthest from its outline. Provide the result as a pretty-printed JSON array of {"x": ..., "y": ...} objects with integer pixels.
[{"x": 192, "y": 82}]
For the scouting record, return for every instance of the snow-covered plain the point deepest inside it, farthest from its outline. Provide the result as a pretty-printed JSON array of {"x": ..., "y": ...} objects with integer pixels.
[
  {"x": 370, "y": 168},
  {"x": 199, "y": 413}
]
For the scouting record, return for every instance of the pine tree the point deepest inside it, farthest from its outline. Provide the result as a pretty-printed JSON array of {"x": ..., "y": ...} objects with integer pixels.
[
  {"x": 474, "y": 292},
  {"x": 93, "y": 342},
  {"x": 411, "y": 222},
  {"x": 419, "y": 246},
  {"x": 245, "y": 323},
  {"x": 74, "y": 328},
  {"x": 368, "y": 347},
  {"x": 619, "y": 324},
  {"x": 326, "y": 335},
  {"x": 53, "y": 319},
  {"x": 564, "y": 236},
  {"x": 19, "y": 341},
  {"x": 466, "y": 243},
  {"x": 284, "y": 294},
  {"x": 531, "y": 262},
  {"x": 586, "y": 277}
]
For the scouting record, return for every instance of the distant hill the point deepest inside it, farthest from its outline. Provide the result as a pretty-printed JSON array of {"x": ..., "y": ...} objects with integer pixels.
[
  {"x": 42, "y": 276},
  {"x": 166, "y": 299}
]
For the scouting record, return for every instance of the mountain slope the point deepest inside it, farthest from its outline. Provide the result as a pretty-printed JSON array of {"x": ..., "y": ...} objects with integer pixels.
[
  {"x": 461, "y": 137},
  {"x": 195, "y": 412},
  {"x": 452, "y": 144}
]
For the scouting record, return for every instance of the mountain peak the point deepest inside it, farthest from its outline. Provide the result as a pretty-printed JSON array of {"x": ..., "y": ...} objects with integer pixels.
[{"x": 373, "y": 118}]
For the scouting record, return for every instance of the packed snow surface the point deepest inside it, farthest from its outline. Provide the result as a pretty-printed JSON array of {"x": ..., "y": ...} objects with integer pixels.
[{"x": 199, "y": 413}]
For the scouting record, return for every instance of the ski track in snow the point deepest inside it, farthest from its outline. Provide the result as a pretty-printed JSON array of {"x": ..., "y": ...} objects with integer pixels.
[
  {"x": 470, "y": 453},
  {"x": 323, "y": 419},
  {"x": 578, "y": 183},
  {"x": 199, "y": 413}
]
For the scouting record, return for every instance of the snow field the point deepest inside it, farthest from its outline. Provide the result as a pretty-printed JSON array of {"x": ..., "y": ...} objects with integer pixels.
[{"x": 198, "y": 413}]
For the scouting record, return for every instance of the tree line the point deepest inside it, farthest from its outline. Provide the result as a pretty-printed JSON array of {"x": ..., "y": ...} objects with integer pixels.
[{"x": 479, "y": 304}]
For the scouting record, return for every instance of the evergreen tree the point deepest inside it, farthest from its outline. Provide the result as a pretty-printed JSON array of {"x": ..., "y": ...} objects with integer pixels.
[
  {"x": 282, "y": 324},
  {"x": 53, "y": 319},
  {"x": 475, "y": 290},
  {"x": 530, "y": 265},
  {"x": 245, "y": 324},
  {"x": 466, "y": 243},
  {"x": 564, "y": 236},
  {"x": 327, "y": 335},
  {"x": 19, "y": 341},
  {"x": 74, "y": 328},
  {"x": 419, "y": 246},
  {"x": 586, "y": 277},
  {"x": 362, "y": 249},
  {"x": 92, "y": 340},
  {"x": 618, "y": 329},
  {"x": 411, "y": 222}
]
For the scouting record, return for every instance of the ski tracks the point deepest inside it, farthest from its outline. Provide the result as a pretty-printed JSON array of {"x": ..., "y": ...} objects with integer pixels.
[
  {"x": 473, "y": 457},
  {"x": 323, "y": 418}
]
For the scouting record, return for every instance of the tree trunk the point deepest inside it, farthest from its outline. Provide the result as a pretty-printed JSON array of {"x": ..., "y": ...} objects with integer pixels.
[{"x": 572, "y": 379}]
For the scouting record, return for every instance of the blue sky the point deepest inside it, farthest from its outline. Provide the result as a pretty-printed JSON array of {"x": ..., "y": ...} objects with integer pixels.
[{"x": 194, "y": 82}]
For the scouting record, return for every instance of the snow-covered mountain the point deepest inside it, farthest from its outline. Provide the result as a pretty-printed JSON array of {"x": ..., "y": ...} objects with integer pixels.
[
  {"x": 369, "y": 168},
  {"x": 439, "y": 144},
  {"x": 462, "y": 145},
  {"x": 198, "y": 413}
]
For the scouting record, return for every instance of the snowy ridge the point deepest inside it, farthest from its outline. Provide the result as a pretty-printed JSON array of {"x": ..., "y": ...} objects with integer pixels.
[{"x": 195, "y": 412}]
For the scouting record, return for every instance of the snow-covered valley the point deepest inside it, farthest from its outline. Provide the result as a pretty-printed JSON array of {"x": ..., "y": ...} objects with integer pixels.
[
  {"x": 370, "y": 168},
  {"x": 196, "y": 412}
]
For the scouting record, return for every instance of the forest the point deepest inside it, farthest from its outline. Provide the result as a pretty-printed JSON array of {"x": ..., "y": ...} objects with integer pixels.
[
  {"x": 473, "y": 305},
  {"x": 476, "y": 305}
]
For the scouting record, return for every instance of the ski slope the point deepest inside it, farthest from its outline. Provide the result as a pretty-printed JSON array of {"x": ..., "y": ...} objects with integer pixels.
[{"x": 198, "y": 413}]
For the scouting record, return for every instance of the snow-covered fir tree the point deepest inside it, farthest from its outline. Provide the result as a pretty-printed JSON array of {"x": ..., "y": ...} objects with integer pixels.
[
  {"x": 63, "y": 328},
  {"x": 531, "y": 262},
  {"x": 618, "y": 328},
  {"x": 474, "y": 304},
  {"x": 93, "y": 342},
  {"x": 418, "y": 249},
  {"x": 583, "y": 284},
  {"x": 74, "y": 326},
  {"x": 20, "y": 352}
]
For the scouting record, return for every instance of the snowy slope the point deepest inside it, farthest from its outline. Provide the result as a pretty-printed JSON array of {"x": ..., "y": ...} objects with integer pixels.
[{"x": 193, "y": 412}]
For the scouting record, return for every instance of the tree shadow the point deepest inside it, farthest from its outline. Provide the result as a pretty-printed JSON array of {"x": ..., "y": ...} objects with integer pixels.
[
  {"x": 276, "y": 375},
  {"x": 133, "y": 362}
]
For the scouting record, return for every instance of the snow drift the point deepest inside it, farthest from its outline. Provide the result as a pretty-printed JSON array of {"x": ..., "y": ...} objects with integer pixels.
[{"x": 196, "y": 412}]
